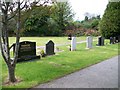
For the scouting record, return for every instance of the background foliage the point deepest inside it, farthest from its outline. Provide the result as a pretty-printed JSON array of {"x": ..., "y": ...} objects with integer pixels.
[
  {"x": 54, "y": 20},
  {"x": 110, "y": 23}
]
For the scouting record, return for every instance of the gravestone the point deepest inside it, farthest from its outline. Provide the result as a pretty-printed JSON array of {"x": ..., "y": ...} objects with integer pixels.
[
  {"x": 49, "y": 50},
  {"x": 89, "y": 42},
  {"x": 69, "y": 37},
  {"x": 100, "y": 41},
  {"x": 118, "y": 38},
  {"x": 111, "y": 40},
  {"x": 114, "y": 40},
  {"x": 27, "y": 51},
  {"x": 73, "y": 44}
]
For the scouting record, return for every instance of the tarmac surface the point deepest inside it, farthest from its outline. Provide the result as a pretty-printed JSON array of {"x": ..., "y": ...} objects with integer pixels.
[{"x": 101, "y": 75}]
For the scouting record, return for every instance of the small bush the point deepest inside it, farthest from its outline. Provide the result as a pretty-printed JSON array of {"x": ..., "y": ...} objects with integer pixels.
[
  {"x": 92, "y": 32},
  {"x": 42, "y": 53}
]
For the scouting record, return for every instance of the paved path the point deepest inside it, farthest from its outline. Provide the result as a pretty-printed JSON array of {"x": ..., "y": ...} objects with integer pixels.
[
  {"x": 42, "y": 47},
  {"x": 56, "y": 45},
  {"x": 102, "y": 75}
]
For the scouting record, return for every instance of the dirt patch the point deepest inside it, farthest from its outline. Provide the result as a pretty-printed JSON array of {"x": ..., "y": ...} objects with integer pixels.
[
  {"x": 55, "y": 64},
  {"x": 8, "y": 83}
]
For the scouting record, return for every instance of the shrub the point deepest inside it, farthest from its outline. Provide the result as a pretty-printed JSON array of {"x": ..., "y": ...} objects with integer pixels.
[
  {"x": 92, "y": 32},
  {"x": 42, "y": 53}
]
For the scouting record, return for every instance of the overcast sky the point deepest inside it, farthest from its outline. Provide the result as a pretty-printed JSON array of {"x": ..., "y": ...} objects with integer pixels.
[{"x": 80, "y": 7}]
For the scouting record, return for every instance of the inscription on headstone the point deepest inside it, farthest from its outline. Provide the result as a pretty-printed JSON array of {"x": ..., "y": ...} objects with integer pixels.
[
  {"x": 49, "y": 50},
  {"x": 73, "y": 44},
  {"x": 89, "y": 42},
  {"x": 27, "y": 51}
]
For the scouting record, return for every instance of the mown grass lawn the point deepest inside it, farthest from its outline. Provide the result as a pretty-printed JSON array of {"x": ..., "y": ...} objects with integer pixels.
[
  {"x": 63, "y": 63},
  {"x": 41, "y": 41}
]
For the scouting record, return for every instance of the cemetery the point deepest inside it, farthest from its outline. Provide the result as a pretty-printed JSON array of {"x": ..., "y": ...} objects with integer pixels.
[
  {"x": 41, "y": 41},
  {"x": 27, "y": 51},
  {"x": 60, "y": 63}
]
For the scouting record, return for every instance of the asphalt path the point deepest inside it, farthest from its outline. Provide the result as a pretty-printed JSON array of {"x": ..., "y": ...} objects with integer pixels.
[{"x": 101, "y": 75}]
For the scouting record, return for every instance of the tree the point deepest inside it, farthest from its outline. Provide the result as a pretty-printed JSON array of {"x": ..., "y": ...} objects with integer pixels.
[
  {"x": 98, "y": 17},
  {"x": 110, "y": 23},
  {"x": 94, "y": 24},
  {"x": 37, "y": 23},
  {"x": 62, "y": 15},
  {"x": 9, "y": 10},
  {"x": 4, "y": 39},
  {"x": 91, "y": 21},
  {"x": 49, "y": 20},
  {"x": 86, "y": 18}
]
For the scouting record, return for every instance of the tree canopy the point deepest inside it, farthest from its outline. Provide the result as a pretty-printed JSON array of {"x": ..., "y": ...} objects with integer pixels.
[
  {"x": 110, "y": 23},
  {"x": 48, "y": 20}
]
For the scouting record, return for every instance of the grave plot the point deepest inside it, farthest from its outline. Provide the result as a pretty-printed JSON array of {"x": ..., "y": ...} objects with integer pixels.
[
  {"x": 89, "y": 42},
  {"x": 49, "y": 49},
  {"x": 73, "y": 44},
  {"x": 100, "y": 41},
  {"x": 27, "y": 51}
]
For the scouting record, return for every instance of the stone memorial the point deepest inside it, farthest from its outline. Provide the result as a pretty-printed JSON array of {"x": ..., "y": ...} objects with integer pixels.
[
  {"x": 114, "y": 40},
  {"x": 118, "y": 38},
  {"x": 100, "y": 41},
  {"x": 27, "y": 51},
  {"x": 69, "y": 37},
  {"x": 89, "y": 42},
  {"x": 111, "y": 40},
  {"x": 73, "y": 44},
  {"x": 49, "y": 50}
]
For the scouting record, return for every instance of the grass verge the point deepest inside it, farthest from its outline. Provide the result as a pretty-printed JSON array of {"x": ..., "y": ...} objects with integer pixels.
[
  {"x": 63, "y": 63},
  {"x": 41, "y": 41}
]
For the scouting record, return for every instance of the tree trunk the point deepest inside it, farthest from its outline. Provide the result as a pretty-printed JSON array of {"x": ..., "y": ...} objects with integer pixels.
[{"x": 11, "y": 71}]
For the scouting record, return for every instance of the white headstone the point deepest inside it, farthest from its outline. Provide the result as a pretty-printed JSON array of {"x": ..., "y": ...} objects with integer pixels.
[
  {"x": 73, "y": 44},
  {"x": 89, "y": 42}
]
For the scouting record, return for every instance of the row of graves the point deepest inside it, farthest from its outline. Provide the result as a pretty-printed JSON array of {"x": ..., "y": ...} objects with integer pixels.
[
  {"x": 89, "y": 41},
  {"x": 27, "y": 49}
]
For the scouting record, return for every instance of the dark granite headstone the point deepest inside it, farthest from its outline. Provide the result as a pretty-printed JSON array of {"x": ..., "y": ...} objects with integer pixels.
[
  {"x": 27, "y": 51},
  {"x": 114, "y": 40},
  {"x": 111, "y": 40},
  {"x": 50, "y": 48},
  {"x": 69, "y": 37},
  {"x": 118, "y": 39},
  {"x": 100, "y": 41}
]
